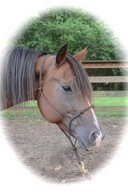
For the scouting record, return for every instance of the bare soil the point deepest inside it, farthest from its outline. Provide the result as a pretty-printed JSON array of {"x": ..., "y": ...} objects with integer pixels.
[{"x": 45, "y": 150}]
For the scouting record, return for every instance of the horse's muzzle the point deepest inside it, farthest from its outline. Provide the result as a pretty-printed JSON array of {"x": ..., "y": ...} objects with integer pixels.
[{"x": 95, "y": 140}]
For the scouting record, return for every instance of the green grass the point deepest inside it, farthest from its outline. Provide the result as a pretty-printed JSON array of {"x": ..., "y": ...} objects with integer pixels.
[
  {"x": 30, "y": 115},
  {"x": 110, "y": 101},
  {"x": 112, "y": 114},
  {"x": 29, "y": 104}
]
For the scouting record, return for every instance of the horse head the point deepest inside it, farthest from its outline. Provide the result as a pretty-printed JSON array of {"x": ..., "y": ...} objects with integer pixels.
[{"x": 63, "y": 92}]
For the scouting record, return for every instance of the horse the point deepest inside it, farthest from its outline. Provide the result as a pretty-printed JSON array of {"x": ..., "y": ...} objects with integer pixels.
[{"x": 61, "y": 87}]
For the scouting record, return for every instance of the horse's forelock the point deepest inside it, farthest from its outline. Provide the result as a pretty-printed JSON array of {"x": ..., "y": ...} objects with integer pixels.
[{"x": 81, "y": 76}]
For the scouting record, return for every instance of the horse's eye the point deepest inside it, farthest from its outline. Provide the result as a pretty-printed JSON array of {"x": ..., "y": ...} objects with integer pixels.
[{"x": 66, "y": 88}]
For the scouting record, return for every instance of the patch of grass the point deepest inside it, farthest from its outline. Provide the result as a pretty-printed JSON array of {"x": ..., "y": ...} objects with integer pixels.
[
  {"x": 112, "y": 114},
  {"x": 32, "y": 117},
  {"x": 32, "y": 103},
  {"x": 110, "y": 101}
]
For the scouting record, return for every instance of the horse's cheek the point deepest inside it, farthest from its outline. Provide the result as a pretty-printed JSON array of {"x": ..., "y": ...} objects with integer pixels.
[{"x": 48, "y": 113}]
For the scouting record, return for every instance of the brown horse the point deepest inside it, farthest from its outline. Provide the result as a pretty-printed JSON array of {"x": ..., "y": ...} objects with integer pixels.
[{"x": 61, "y": 87}]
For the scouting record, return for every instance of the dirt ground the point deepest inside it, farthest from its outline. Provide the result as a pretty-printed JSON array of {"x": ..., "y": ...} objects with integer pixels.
[{"x": 45, "y": 150}]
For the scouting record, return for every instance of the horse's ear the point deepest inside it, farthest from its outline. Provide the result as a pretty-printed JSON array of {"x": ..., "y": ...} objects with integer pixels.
[
  {"x": 61, "y": 55},
  {"x": 80, "y": 55}
]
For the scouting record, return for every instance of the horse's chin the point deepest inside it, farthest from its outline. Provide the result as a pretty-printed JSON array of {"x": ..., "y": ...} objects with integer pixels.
[{"x": 91, "y": 149}]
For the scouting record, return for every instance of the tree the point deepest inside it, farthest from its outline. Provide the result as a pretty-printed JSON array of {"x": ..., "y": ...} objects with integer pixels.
[{"x": 76, "y": 28}]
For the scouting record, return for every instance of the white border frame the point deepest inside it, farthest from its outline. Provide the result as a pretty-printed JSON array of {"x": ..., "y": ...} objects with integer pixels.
[{"x": 13, "y": 175}]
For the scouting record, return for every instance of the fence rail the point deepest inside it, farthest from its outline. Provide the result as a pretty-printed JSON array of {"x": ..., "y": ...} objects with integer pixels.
[
  {"x": 104, "y": 64},
  {"x": 108, "y": 79},
  {"x": 111, "y": 108},
  {"x": 111, "y": 93}
]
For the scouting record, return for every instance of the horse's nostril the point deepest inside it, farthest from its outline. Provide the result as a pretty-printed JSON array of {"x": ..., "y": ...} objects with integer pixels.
[{"x": 93, "y": 137}]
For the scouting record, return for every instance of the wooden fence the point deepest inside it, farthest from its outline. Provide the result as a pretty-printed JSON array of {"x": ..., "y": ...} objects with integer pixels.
[{"x": 108, "y": 79}]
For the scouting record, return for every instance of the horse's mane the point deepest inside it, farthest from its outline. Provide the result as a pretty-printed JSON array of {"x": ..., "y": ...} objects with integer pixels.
[
  {"x": 81, "y": 76},
  {"x": 18, "y": 75}
]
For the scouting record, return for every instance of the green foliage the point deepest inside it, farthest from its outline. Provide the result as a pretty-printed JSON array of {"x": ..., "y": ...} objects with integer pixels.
[
  {"x": 76, "y": 28},
  {"x": 79, "y": 30}
]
